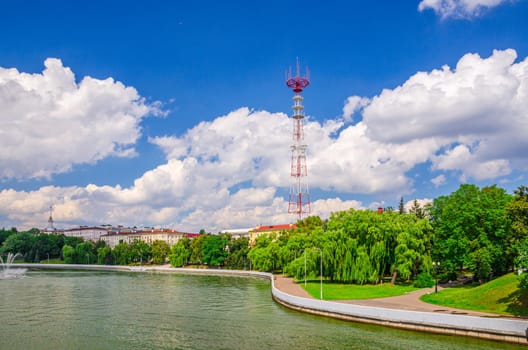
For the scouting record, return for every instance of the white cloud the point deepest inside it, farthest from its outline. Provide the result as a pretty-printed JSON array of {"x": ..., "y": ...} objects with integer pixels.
[
  {"x": 461, "y": 157},
  {"x": 230, "y": 172},
  {"x": 219, "y": 174},
  {"x": 422, "y": 202},
  {"x": 439, "y": 180},
  {"x": 476, "y": 114},
  {"x": 48, "y": 122},
  {"x": 459, "y": 8},
  {"x": 95, "y": 205},
  {"x": 352, "y": 105},
  {"x": 247, "y": 146}
]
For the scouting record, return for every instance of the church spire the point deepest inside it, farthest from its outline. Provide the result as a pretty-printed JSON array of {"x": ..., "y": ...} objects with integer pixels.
[{"x": 50, "y": 227}]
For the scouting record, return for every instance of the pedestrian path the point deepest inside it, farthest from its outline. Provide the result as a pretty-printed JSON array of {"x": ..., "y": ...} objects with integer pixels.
[{"x": 410, "y": 301}]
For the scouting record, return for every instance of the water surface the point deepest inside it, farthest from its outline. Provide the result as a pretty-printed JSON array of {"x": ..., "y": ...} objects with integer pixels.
[{"x": 109, "y": 310}]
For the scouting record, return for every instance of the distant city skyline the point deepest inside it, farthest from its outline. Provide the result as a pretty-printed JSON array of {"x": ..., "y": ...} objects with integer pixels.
[{"x": 177, "y": 114}]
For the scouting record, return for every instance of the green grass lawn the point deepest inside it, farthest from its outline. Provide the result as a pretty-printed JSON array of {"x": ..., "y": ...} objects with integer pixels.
[
  {"x": 339, "y": 291},
  {"x": 500, "y": 296}
]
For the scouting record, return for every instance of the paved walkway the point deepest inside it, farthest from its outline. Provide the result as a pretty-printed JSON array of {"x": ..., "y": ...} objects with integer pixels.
[{"x": 410, "y": 301}]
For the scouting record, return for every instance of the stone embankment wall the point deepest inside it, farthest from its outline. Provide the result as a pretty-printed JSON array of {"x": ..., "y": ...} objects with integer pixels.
[
  {"x": 508, "y": 330},
  {"x": 502, "y": 329}
]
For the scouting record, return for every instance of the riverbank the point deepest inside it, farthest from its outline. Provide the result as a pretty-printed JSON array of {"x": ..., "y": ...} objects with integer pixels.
[
  {"x": 409, "y": 301},
  {"x": 403, "y": 313}
]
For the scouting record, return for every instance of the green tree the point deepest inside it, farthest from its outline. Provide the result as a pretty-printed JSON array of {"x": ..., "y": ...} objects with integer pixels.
[
  {"x": 417, "y": 210},
  {"x": 271, "y": 252},
  {"x": 401, "y": 206},
  {"x": 238, "y": 251},
  {"x": 361, "y": 246},
  {"x": 517, "y": 211},
  {"x": 160, "y": 251},
  {"x": 21, "y": 243},
  {"x": 214, "y": 251},
  {"x": 105, "y": 256},
  {"x": 139, "y": 252},
  {"x": 85, "y": 253},
  {"x": 471, "y": 230},
  {"x": 56, "y": 242},
  {"x": 72, "y": 241},
  {"x": 522, "y": 264},
  {"x": 68, "y": 254},
  {"x": 122, "y": 254},
  {"x": 309, "y": 224},
  {"x": 41, "y": 248},
  {"x": 100, "y": 244},
  {"x": 413, "y": 248},
  {"x": 6, "y": 233},
  {"x": 180, "y": 253},
  {"x": 196, "y": 249}
]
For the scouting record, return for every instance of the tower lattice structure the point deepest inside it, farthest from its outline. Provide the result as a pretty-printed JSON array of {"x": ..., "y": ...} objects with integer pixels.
[{"x": 299, "y": 198}]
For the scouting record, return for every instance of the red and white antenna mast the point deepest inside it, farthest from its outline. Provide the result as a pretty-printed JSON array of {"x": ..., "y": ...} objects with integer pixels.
[{"x": 299, "y": 202}]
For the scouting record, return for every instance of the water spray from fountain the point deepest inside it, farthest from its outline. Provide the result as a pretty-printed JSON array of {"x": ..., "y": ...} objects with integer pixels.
[{"x": 7, "y": 271}]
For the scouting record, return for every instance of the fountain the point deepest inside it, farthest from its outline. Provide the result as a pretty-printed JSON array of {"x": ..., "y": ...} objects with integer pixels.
[{"x": 7, "y": 271}]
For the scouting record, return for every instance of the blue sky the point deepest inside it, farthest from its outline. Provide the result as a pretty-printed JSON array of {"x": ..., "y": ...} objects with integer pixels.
[{"x": 156, "y": 113}]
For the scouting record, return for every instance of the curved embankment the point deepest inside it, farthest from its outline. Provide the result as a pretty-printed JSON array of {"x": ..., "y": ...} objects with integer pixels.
[{"x": 508, "y": 330}]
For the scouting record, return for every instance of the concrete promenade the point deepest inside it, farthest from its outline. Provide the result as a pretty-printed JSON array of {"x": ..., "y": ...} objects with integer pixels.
[
  {"x": 406, "y": 311},
  {"x": 409, "y": 301}
]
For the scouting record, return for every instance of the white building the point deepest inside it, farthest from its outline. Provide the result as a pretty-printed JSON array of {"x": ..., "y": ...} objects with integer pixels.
[
  {"x": 113, "y": 238},
  {"x": 237, "y": 233},
  {"x": 86, "y": 232}
]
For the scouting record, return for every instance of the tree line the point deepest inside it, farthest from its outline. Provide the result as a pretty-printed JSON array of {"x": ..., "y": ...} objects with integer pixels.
[
  {"x": 483, "y": 231},
  {"x": 207, "y": 250}
]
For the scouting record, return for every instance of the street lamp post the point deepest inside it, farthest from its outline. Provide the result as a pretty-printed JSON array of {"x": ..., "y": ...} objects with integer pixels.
[
  {"x": 320, "y": 274},
  {"x": 321, "y": 270},
  {"x": 305, "y": 267},
  {"x": 436, "y": 266}
]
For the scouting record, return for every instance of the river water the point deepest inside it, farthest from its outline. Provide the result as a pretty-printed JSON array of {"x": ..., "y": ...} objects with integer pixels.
[{"x": 108, "y": 310}]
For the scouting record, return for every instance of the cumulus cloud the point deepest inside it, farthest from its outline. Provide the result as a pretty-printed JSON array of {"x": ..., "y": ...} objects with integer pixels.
[
  {"x": 95, "y": 205},
  {"x": 459, "y": 8},
  {"x": 254, "y": 146},
  {"x": 223, "y": 173},
  {"x": 476, "y": 114},
  {"x": 421, "y": 202},
  {"x": 352, "y": 105},
  {"x": 461, "y": 157},
  {"x": 439, "y": 180},
  {"x": 233, "y": 171},
  {"x": 48, "y": 121}
]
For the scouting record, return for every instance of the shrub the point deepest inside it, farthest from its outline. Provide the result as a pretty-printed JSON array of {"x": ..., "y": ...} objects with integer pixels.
[
  {"x": 424, "y": 280},
  {"x": 523, "y": 280}
]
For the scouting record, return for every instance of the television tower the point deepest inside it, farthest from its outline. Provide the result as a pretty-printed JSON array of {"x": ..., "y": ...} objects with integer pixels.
[{"x": 299, "y": 201}]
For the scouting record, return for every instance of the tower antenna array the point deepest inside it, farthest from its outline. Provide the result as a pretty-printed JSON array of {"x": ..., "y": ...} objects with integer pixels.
[{"x": 299, "y": 198}]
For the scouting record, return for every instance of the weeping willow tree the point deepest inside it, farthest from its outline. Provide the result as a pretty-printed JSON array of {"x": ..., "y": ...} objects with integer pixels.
[{"x": 361, "y": 246}]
